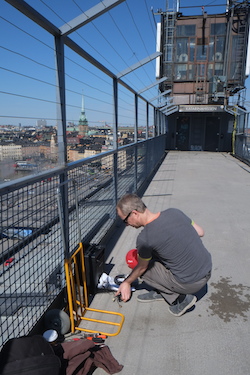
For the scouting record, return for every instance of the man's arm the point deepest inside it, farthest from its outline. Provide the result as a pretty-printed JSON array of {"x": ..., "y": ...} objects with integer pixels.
[
  {"x": 198, "y": 229},
  {"x": 125, "y": 287}
]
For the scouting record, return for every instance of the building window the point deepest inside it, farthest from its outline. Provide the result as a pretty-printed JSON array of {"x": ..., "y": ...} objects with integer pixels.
[
  {"x": 185, "y": 30},
  {"x": 216, "y": 48},
  {"x": 191, "y": 71},
  {"x": 182, "y": 50},
  {"x": 201, "y": 53},
  {"x": 235, "y": 66},
  {"x": 185, "y": 48},
  {"x": 185, "y": 52},
  {"x": 168, "y": 53},
  {"x": 191, "y": 49},
  {"x": 218, "y": 29},
  {"x": 181, "y": 71},
  {"x": 218, "y": 69},
  {"x": 167, "y": 71},
  {"x": 184, "y": 72},
  {"x": 201, "y": 70}
]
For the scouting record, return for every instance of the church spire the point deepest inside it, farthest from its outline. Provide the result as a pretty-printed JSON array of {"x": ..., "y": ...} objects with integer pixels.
[
  {"x": 83, "y": 122},
  {"x": 83, "y": 110}
]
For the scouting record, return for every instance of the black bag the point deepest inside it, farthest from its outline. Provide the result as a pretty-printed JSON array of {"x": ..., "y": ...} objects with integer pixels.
[{"x": 28, "y": 356}]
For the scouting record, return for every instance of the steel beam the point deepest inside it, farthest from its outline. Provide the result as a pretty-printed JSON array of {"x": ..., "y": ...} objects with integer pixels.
[
  {"x": 158, "y": 96},
  {"x": 171, "y": 110},
  {"x": 139, "y": 64},
  {"x": 31, "y": 13},
  {"x": 88, "y": 16},
  {"x": 152, "y": 85}
]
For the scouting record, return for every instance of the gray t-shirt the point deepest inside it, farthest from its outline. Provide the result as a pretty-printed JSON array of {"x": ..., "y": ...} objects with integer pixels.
[{"x": 173, "y": 241}]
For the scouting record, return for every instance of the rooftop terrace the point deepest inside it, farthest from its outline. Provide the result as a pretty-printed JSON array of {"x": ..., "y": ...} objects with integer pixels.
[{"x": 213, "y": 189}]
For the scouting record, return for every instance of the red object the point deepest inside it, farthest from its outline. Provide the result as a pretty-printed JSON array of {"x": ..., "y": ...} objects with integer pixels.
[
  {"x": 132, "y": 258},
  {"x": 8, "y": 261}
]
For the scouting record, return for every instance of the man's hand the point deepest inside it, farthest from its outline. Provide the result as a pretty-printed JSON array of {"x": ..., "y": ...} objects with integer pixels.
[
  {"x": 125, "y": 288},
  {"x": 124, "y": 291}
]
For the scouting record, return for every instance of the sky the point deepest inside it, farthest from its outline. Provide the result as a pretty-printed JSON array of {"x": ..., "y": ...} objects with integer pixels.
[{"x": 117, "y": 39}]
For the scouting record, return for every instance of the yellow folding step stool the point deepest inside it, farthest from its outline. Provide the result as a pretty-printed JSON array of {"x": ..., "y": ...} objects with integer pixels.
[{"x": 78, "y": 297}]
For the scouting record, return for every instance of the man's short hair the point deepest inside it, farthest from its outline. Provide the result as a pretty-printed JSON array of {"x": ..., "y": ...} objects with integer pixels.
[{"x": 130, "y": 202}]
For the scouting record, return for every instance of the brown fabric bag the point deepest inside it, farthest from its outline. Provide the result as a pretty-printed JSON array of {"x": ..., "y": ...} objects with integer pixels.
[{"x": 82, "y": 356}]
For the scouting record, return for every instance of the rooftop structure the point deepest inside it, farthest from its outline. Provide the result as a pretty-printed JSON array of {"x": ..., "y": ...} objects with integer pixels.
[{"x": 204, "y": 62}]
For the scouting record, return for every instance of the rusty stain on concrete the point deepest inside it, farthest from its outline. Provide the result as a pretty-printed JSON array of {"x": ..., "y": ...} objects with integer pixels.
[{"x": 229, "y": 301}]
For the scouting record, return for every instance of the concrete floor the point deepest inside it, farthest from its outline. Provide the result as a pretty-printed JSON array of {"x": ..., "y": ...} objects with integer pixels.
[{"x": 214, "y": 190}]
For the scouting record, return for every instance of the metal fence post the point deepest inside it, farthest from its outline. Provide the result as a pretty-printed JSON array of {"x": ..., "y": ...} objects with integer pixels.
[
  {"x": 61, "y": 133},
  {"x": 147, "y": 119},
  {"x": 115, "y": 139},
  {"x": 136, "y": 143}
]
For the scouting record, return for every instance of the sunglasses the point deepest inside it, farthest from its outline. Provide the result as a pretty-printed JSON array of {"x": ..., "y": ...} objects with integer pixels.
[{"x": 126, "y": 218}]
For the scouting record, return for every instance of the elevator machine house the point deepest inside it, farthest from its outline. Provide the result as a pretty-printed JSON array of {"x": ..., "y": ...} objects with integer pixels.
[{"x": 204, "y": 62}]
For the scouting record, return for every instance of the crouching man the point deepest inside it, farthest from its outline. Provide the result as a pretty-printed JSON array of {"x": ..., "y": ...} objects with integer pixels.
[{"x": 171, "y": 256}]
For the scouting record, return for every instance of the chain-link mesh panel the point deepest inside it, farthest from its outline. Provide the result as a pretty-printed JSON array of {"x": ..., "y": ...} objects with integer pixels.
[
  {"x": 242, "y": 147},
  {"x": 31, "y": 253},
  {"x": 31, "y": 243}
]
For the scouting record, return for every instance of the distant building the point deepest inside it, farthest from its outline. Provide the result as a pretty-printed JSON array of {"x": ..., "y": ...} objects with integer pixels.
[
  {"x": 53, "y": 149},
  {"x": 10, "y": 152},
  {"x": 74, "y": 155},
  {"x": 41, "y": 123},
  {"x": 30, "y": 150},
  {"x": 107, "y": 162},
  {"x": 45, "y": 151},
  {"x": 72, "y": 140}
]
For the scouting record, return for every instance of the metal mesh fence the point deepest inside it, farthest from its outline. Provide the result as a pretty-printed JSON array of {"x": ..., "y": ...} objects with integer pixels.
[
  {"x": 31, "y": 253},
  {"x": 242, "y": 137},
  {"x": 242, "y": 147},
  {"x": 43, "y": 218}
]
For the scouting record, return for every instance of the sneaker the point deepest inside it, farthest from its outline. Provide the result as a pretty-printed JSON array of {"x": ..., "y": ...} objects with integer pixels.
[
  {"x": 181, "y": 307},
  {"x": 150, "y": 297}
]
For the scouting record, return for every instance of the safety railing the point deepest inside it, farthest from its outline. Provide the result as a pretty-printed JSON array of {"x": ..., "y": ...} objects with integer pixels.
[
  {"x": 241, "y": 134},
  {"x": 32, "y": 249},
  {"x": 43, "y": 214},
  {"x": 242, "y": 147}
]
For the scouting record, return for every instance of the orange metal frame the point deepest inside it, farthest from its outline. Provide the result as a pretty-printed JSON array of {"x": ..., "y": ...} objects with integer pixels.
[{"x": 78, "y": 296}]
